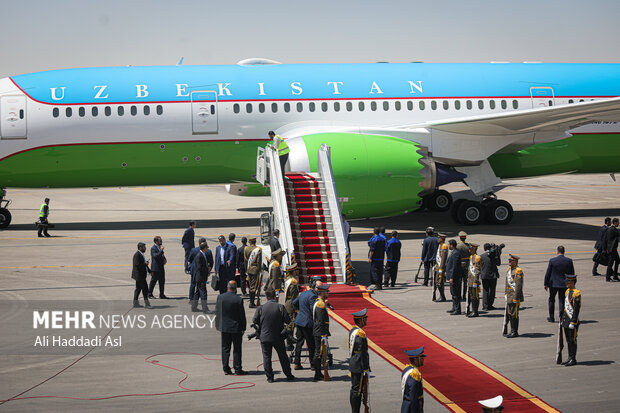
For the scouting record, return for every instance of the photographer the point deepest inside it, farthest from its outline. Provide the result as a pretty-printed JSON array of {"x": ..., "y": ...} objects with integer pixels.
[
  {"x": 489, "y": 261},
  {"x": 272, "y": 319}
]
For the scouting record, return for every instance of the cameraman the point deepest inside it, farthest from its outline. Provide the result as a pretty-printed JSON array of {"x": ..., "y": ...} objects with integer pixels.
[
  {"x": 489, "y": 275},
  {"x": 272, "y": 319}
]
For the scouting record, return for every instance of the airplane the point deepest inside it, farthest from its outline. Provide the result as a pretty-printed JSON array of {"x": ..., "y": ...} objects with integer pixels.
[{"x": 397, "y": 131}]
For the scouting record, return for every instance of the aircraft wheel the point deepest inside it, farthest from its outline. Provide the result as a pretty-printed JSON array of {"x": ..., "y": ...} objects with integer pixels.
[
  {"x": 499, "y": 212},
  {"x": 470, "y": 213},
  {"x": 439, "y": 201},
  {"x": 5, "y": 217},
  {"x": 455, "y": 208}
]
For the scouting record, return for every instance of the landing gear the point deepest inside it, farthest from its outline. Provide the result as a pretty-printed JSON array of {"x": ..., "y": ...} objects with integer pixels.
[
  {"x": 439, "y": 201},
  {"x": 5, "y": 215},
  {"x": 492, "y": 210}
]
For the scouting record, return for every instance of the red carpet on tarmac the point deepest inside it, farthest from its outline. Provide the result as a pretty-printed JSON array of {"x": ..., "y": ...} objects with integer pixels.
[{"x": 452, "y": 377}]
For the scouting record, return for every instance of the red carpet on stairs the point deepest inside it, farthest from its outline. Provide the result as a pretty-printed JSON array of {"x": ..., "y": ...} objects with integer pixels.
[{"x": 452, "y": 377}]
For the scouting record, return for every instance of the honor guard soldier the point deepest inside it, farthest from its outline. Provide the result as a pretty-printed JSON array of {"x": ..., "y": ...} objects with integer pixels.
[
  {"x": 439, "y": 277},
  {"x": 493, "y": 405},
  {"x": 320, "y": 331},
  {"x": 514, "y": 296},
  {"x": 359, "y": 362},
  {"x": 463, "y": 248},
  {"x": 570, "y": 318},
  {"x": 275, "y": 273},
  {"x": 411, "y": 382},
  {"x": 254, "y": 261},
  {"x": 473, "y": 281},
  {"x": 291, "y": 292}
]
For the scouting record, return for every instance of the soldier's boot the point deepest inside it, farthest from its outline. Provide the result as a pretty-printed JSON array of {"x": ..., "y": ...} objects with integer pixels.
[
  {"x": 442, "y": 295},
  {"x": 195, "y": 306},
  {"x": 147, "y": 303},
  {"x": 572, "y": 353},
  {"x": 355, "y": 399},
  {"x": 252, "y": 305},
  {"x": 318, "y": 375},
  {"x": 475, "y": 305},
  {"x": 514, "y": 327},
  {"x": 136, "y": 304}
]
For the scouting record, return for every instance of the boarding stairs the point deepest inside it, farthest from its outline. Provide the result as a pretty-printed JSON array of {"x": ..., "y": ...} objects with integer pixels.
[{"x": 307, "y": 212}]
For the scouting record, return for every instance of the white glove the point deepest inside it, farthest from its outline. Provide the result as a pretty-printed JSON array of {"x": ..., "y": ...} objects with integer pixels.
[{"x": 571, "y": 326}]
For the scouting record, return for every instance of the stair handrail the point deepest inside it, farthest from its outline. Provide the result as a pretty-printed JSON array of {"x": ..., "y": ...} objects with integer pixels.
[
  {"x": 280, "y": 206},
  {"x": 324, "y": 167}
]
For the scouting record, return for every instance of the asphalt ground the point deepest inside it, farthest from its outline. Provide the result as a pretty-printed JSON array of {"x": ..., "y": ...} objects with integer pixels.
[{"x": 87, "y": 265}]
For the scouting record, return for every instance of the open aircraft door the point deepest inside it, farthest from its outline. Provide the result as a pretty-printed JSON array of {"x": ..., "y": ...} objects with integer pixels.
[
  {"x": 204, "y": 112},
  {"x": 542, "y": 96},
  {"x": 13, "y": 117}
]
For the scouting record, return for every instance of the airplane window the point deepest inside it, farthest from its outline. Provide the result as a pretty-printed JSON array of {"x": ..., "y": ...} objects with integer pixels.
[
  {"x": 159, "y": 109},
  {"x": 433, "y": 105},
  {"x": 68, "y": 112},
  {"x": 236, "y": 108},
  {"x": 373, "y": 105},
  {"x": 504, "y": 104},
  {"x": 21, "y": 113},
  {"x": 386, "y": 105},
  {"x": 397, "y": 105},
  {"x": 571, "y": 101},
  {"x": 515, "y": 104},
  {"x": 133, "y": 110},
  {"x": 480, "y": 104},
  {"x": 311, "y": 106},
  {"x": 287, "y": 107},
  {"x": 581, "y": 100},
  {"x": 107, "y": 110},
  {"x": 492, "y": 104},
  {"x": 336, "y": 106},
  {"x": 274, "y": 107},
  {"x": 261, "y": 107},
  {"x": 213, "y": 109},
  {"x": 147, "y": 110},
  {"x": 300, "y": 107},
  {"x": 361, "y": 106},
  {"x": 55, "y": 112},
  {"x": 324, "y": 106},
  {"x": 82, "y": 112},
  {"x": 349, "y": 106},
  {"x": 422, "y": 105},
  {"x": 469, "y": 104},
  {"x": 121, "y": 111},
  {"x": 457, "y": 104},
  {"x": 94, "y": 111},
  {"x": 550, "y": 103},
  {"x": 446, "y": 105},
  {"x": 410, "y": 105},
  {"x": 248, "y": 108}
]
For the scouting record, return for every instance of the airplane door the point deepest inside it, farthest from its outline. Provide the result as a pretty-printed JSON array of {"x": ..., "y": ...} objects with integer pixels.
[
  {"x": 204, "y": 112},
  {"x": 542, "y": 96},
  {"x": 13, "y": 117}
]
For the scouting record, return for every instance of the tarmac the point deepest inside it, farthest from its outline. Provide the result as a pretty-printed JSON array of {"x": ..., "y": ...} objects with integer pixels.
[{"x": 86, "y": 265}]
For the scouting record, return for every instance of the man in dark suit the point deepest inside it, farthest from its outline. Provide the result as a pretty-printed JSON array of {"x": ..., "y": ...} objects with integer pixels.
[
  {"x": 231, "y": 264},
  {"x": 611, "y": 247},
  {"x": 242, "y": 277},
  {"x": 489, "y": 275},
  {"x": 555, "y": 280},
  {"x": 191, "y": 262},
  {"x": 158, "y": 274},
  {"x": 429, "y": 252},
  {"x": 188, "y": 243},
  {"x": 201, "y": 268},
  {"x": 223, "y": 259},
  {"x": 274, "y": 242},
  {"x": 139, "y": 270},
  {"x": 272, "y": 318},
  {"x": 600, "y": 243},
  {"x": 305, "y": 322},
  {"x": 453, "y": 275},
  {"x": 230, "y": 321}
]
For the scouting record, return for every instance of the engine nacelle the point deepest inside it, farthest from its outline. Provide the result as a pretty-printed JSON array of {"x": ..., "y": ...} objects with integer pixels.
[{"x": 375, "y": 175}]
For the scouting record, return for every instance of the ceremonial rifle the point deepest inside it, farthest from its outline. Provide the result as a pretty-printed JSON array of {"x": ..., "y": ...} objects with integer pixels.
[
  {"x": 418, "y": 273},
  {"x": 558, "y": 356},
  {"x": 324, "y": 352},
  {"x": 366, "y": 396},
  {"x": 505, "y": 330}
]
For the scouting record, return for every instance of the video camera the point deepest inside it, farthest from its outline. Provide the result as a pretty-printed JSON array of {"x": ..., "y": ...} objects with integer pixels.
[
  {"x": 495, "y": 253},
  {"x": 256, "y": 332}
]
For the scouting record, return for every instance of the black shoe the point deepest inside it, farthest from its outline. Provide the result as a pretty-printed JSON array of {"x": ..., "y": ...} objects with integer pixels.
[
  {"x": 298, "y": 366},
  {"x": 608, "y": 280},
  {"x": 40, "y": 236},
  {"x": 48, "y": 235},
  {"x": 252, "y": 305},
  {"x": 318, "y": 377},
  {"x": 269, "y": 379},
  {"x": 147, "y": 305},
  {"x": 424, "y": 284},
  {"x": 207, "y": 311},
  {"x": 392, "y": 285},
  {"x": 595, "y": 274},
  {"x": 616, "y": 278},
  {"x": 450, "y": 311},
  {"x": 228, "y": 371},
  {"x": 151, "y": 296},
  {"x": 512, "y": 334},
  {"x": 489, "y": 308},
  {"x": 241, "y": 372},
  {"x": 163, "y": 297},
  {"x": 551, "y": 319},
  {"x": 136, "y": 304},
  {"x": 456, "y": 312},
  {"x": 571, "y": 362},
  {"x": 290, "y": 377}
]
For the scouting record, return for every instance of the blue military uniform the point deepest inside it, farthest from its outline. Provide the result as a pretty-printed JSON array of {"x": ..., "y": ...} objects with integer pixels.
[
  {"x": 411, "y": 385},
  {"x": 392, "y": 250},
  {"x": 377, "y": 246}
]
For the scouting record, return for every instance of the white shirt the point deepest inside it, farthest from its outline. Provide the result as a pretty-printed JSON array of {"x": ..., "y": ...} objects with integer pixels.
[{"x": 222, "y": 250}]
